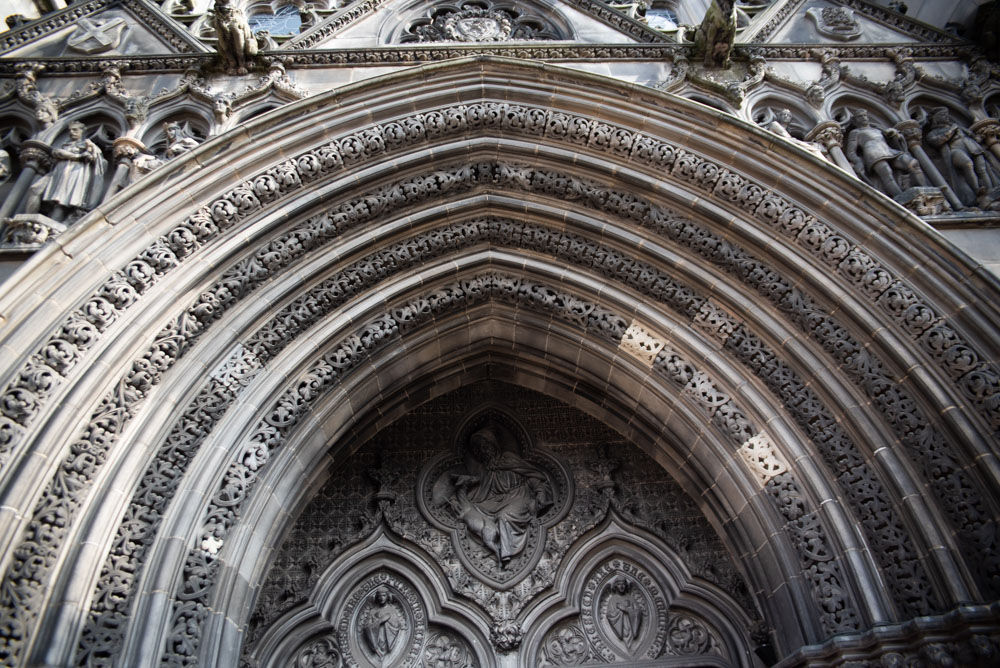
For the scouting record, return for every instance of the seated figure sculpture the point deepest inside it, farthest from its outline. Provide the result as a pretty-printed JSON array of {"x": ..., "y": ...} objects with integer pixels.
[{"x": 500, "y": 496}]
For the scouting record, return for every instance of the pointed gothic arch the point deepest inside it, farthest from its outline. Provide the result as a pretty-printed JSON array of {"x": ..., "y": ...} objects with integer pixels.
[{"x": 791, "y": 346}]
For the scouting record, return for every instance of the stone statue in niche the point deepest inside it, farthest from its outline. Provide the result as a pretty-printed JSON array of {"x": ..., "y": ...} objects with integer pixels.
[
  {"x": 970, "y": 170},
  {"x": 380, "y": 624},
  {"x": 498, "y": 496},
  {"x": 872, "y": 157},
  {"x": 624, "y": 612},
  {"x": 179, "y": 139},
  {"x": 76, "y": 181},
  {"x": 236, "y": 43}
]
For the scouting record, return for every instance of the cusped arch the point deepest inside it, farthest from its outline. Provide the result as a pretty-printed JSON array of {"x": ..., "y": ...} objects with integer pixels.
[
  {"x": 633, "y": 600},
  {"x": 180, "y": 253},
  {"x": 417, "y": 608}
]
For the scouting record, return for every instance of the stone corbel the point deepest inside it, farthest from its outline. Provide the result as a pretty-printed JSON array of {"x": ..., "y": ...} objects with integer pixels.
[
  {"x": 987, "y": 133},
  {"x": 830, "y": 136}
]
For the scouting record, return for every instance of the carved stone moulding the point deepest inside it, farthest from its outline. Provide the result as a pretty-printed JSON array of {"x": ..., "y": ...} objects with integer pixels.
[{"x": 496, "y": 495}]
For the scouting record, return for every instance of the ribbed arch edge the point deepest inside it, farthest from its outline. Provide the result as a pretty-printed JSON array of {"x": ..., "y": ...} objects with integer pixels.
[
  {"x": 665, "y": 425},
  {"x": 40, "y": 298}
]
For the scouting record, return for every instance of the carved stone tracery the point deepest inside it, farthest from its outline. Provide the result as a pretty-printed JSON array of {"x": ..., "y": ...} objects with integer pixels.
[{"x": 13, "y": 406}]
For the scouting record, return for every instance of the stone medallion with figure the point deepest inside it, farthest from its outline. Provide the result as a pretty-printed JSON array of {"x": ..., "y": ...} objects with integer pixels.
[{"x": 496, "y": 495}]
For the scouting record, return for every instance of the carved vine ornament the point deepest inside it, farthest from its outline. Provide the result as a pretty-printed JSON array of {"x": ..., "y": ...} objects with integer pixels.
[{"x": 26, "y": 396}]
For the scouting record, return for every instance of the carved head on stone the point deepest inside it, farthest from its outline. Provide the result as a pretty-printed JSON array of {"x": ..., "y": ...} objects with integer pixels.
[
  {"x": 76, "y": 130},
  {"x": 940, "y": 116}
]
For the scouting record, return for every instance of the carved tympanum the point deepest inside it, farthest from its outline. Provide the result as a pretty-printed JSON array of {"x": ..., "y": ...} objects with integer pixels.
[{"x": 496, "y": 495}]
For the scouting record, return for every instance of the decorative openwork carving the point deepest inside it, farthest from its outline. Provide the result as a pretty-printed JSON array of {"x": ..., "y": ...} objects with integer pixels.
[
  {"x": 496, "y": 496},
  {"x": 641, "y": 344},
  {"x": 479, "y": 21},
  {"x": 762, "y": 458},
  {"x": 29, "y": 390}
]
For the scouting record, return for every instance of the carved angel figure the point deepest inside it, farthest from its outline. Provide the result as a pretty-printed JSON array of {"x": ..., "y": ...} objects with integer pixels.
[
  {"x": 499, "y": 497},
  {"x": 381, "y": 624},
  {"x": 961, "y": 153},
  {"x": 77, "y": 177},
  {"x": 871, "y": 155},
  {"x": 236, "y": 42},
  {"x": 623, "y": 613}
]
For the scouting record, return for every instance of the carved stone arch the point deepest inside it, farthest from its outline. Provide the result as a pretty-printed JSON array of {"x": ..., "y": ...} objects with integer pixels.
[
  {"x": 842, "y": 105},
  {"x": 927, "y": 101},
  {"x": 904, "y": 393},
  {"x": 676, "y": 617},
  {"x": 339, "y": 600}
]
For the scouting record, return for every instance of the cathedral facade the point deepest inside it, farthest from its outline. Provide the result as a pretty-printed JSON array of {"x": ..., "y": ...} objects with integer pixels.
[{"x": 492, "y": 334}]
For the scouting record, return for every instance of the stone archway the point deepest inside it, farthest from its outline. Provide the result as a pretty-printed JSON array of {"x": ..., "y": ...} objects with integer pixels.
[{"x": 795, "y": 349}]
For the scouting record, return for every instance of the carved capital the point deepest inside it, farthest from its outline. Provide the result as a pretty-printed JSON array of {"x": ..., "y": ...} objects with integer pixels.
[
  {"x": 36, "y": 155},
  {"x": 125, "y": 148},
  {"x": 910, "y": 130},
  {"x": 987, "y": 131},
  {"x": 828, "y": 134}
]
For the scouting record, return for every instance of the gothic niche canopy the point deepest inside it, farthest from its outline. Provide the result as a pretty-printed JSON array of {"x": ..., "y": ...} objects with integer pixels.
[{"x": 479, "y": 21}]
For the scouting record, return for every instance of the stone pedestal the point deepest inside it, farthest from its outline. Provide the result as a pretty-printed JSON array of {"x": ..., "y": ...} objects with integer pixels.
[
  {"x": 923, "y": 201},
  {"x": 27, "y": 231}
]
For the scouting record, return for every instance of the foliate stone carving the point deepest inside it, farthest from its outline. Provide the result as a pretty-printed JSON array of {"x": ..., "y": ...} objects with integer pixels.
[
  {"x": 321, "y": 653},
  {"x": 624, "y": 612},
  {"x": 29, "y": 230},
  {"x": 689, "y": 636},
  {"x": 763, "y": 459},
  {"x": 496, "y": 496},
  {"x": 641, "y": 344},
  {"x": 478, "y": 24},
  {"x": 836, "y": 22},
  {"x": 23, "y": 398},
  {"x": 506, "y": 636},
  {"x": 383, "y": 623},
  {"x": 93, "y": 36},
  {"x": 446, "y": 650},
  {"x": 565, "y": 645}
]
